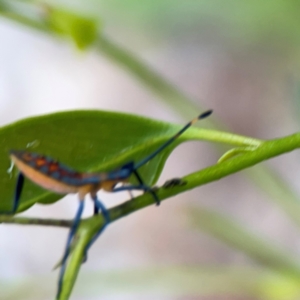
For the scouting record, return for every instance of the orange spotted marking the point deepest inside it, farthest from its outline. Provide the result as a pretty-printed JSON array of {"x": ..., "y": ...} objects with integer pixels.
[
  {"x": 41, "y": 161},
  {"x": 53, "y": 167}
]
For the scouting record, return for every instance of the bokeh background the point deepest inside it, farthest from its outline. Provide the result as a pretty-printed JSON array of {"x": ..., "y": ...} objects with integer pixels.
[{"x": 240, "y": 58}]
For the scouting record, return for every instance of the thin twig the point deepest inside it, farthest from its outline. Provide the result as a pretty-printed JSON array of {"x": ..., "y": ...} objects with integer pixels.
[{"x": 35, "y": 221}]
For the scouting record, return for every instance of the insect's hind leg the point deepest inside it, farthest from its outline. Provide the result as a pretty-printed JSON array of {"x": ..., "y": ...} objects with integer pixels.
[
  {"x": 138, "y": 177},
  {"x": 67, "y": 250},
  {"x": 17, "y": 195}
]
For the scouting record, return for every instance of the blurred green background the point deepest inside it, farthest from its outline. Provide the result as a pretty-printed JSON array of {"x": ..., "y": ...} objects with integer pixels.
[{"x": 240, "y": 58}]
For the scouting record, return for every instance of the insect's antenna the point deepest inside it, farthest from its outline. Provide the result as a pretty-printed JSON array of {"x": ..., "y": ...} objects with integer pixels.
[{"x": 174, "y": 137}]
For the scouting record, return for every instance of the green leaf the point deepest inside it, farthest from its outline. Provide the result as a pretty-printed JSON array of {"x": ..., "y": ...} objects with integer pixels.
[
  {"x": 236, "y": 151},
  {"x": 82, "y": 30},
  {"x": 86, "y": 141}
]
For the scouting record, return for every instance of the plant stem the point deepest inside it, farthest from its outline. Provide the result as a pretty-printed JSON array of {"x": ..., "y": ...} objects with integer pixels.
[
  {"x": 266, "y": 151},
  {"x": 35, "y": 221}
]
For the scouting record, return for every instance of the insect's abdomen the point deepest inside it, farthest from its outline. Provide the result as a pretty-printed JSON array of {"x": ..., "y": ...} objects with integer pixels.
[{"x": 46, "y": 172}]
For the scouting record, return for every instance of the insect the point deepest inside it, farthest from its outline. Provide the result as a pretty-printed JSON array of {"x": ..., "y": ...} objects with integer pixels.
[{"x": 56, "y": 177}]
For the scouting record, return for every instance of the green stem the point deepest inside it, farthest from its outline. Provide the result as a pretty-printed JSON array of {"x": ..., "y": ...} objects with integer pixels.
[
  {"x": 266, "y": 151},
  {"x": 230, "y": 232},
  {"x": 223, "y": 137},
  {"x": 7, "y": 10},
  {"x": 278, "y": 259},
  {"x": 35, "y": 221}
]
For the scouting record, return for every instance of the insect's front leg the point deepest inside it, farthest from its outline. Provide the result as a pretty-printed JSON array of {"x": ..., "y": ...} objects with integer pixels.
[
  {"x": 18, "y": 191},
  {"x": 17, "y": 195}
]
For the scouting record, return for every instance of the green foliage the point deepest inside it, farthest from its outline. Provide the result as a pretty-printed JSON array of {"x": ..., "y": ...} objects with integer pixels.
[
  {"x": 82, "y": 30},
  {"x": 99, "y": 141}
]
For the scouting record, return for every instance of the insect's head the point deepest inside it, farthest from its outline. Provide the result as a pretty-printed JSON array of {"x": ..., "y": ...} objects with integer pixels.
[
  {"x": 126, "y": 170},
  {"x": 122, "y": 173}
]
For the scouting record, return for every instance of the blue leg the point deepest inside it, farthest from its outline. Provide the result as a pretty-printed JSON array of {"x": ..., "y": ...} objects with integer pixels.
[
  {"x": 96, "y": 210},
  {"x": 67, "y": 250},
  {"x": 138, "y": 177},
  {"x": 18, "y": 191},
  {"x": 142, "y": 187},
  {"x": 99, "y": 206}
]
